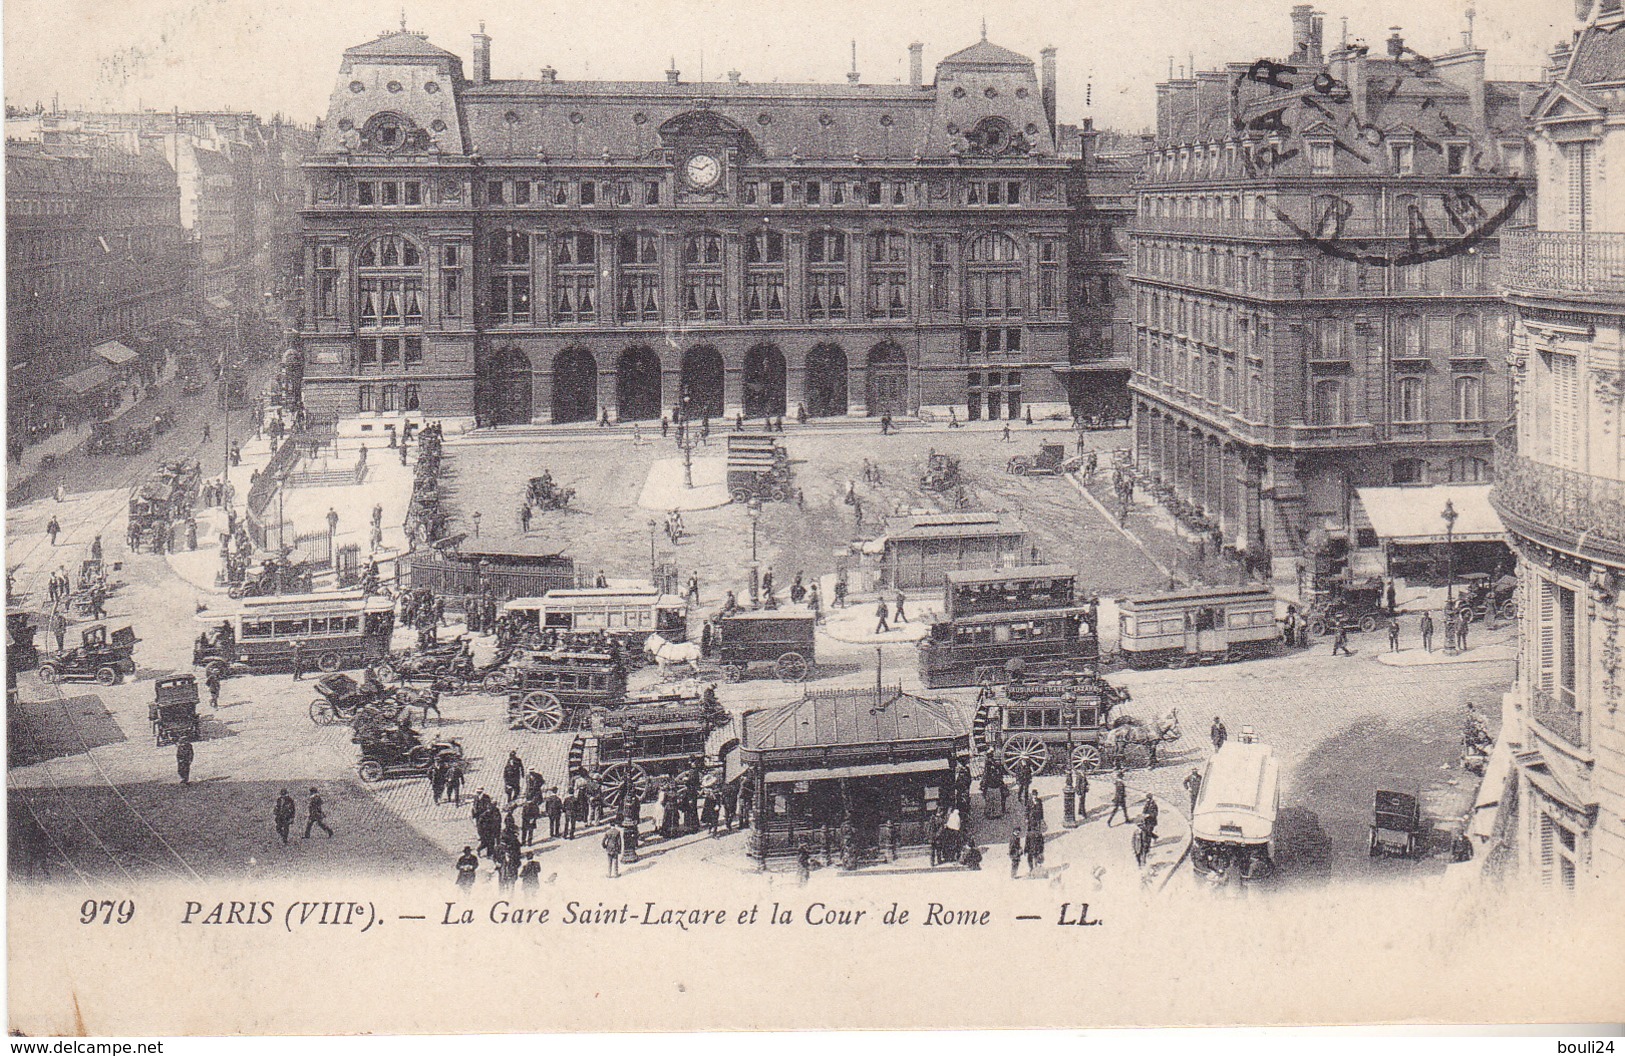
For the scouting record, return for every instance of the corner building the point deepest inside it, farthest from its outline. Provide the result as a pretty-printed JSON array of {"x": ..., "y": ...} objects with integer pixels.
[
  {"x": 1316, "y": 270},
  {"x": 1560, "y": 479},
  {"x": 519, "y": 251}
]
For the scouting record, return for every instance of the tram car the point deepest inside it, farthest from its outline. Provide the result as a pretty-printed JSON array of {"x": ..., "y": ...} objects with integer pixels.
[
  {"x": 633, "y": 748},
  {"x": 548, "y": 688},
  {"x": 627, "y": 614},
  {"x": 999, "y": 625},
  {"x": 1207, "y": 626},
  {"x": 745, "y": 643}
]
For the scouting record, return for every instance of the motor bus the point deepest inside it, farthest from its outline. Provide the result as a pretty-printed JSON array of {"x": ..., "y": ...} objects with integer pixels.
[
  {"x": 1198, "y": 627},
  {"x": 337, "y": 631},
  {"x": 629, "y": 613},
  {"x": 1233, "y": 825}
]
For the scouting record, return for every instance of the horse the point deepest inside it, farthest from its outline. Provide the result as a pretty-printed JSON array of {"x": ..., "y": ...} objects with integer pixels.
[
  {"x": 1127, "y": 731},
  {"x": 667, "y": 654}
]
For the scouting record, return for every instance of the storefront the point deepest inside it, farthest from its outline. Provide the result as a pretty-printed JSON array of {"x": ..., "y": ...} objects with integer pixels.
[
  {"x": 1409, "y": 536},
  {"x": 884, "y": 759}
]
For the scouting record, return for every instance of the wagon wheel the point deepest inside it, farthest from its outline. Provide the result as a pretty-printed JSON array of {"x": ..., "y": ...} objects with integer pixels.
[
  {"x": 329, "y": 662},
  {"x": 792, "y": 667},
  {"x": 733, "y": 672},
  {"x": 49, "y": 674},
  {"x": 540, "y": 711},
  {"x": 385, "y": 671},
  {"x": 1368, "y": 623},
  {"x": 985, "y": 726},
  {"x": 370, "y": 770},
  {"x": 421, "y": 757},
  {"x": 1019, "y": 466},
  {"x": 739, "y": 495},
  {"x": 1085, "y": 757},
  {"x": 621, "y": 778},
  {"x": 108, "y": 675},
  {"x": 1317, "y": 627},
  {"x": 322, "y": 713},
  {"x": 496, "y": 681},
  {"x": 1024, "y": 747}
]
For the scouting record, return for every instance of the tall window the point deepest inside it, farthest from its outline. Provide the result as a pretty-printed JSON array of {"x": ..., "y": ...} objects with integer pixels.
[
  {"x": 993, "y": 287},
  {"x": 327, "y": 282},
  {"x": 1465, "y": 469},
  {"x": 1465, "y": 337},
  {"x": 826, "y": 275},
  {"x": 1408, "y": 402},
  {"x": 1565, "y": 410},
  {"x": 1578, "y": 158},
  {"x": 1469, "y": 399},
  {"x": 1049, "y": 275},
  {"x": 451, "y": 281},
  {"x": 764, "y": 275},
  {"x": 702, "y": 275},
  {"x": 390, "y": 271},
  {"x": 638, "y": 254},
  {"x": 1410, "y": 335},
  {"x": 1326, "y": 403},
  {"x": 575, "y": 277},
  {"x": 888, "y": 275}
]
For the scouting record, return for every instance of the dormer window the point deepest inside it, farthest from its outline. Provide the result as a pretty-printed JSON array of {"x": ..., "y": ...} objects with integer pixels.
[
  {"x": 1456, "y": 159},
  {"x": 1512, "y": 157},
  {"x": 1320, "y": 159},
  {"x": 1404, "y": 158}
]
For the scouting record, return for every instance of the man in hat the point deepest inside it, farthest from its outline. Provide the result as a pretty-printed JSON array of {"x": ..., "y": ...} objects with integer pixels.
[
  {"x": 468, "y": 867},
  {"x": 612, "y": 849},
  {"x": 513, "y": 775},
  {"x": 1193, "y": 785},
  {"x": 183, "y": 759},
  {"x": 283, "y": 814},
  {"x": 316, "y": 814}
]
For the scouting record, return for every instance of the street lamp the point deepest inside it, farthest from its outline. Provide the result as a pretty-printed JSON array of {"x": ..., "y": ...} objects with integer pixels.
[
  {"x": 1449, "y": 514},
  {"x": 652, "y": 576},
  {"x": 754, "y": 510}
]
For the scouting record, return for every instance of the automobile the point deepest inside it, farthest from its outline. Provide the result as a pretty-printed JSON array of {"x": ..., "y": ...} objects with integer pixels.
[
  {"x": 173, "y": 711},
  {"x": 99, "y": 657}
]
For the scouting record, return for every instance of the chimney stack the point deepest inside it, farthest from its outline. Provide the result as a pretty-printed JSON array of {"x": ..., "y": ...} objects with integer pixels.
[
  {"x": 1306, "y": 32},
  {"x": 672, "y": 72},
  {"x": 733, "y": 76},
  {"x": 482, "y": 57},
  {"x": 852, "y": 74},
  {"x": 549, "y": 75},
  {"x": 1047, "y": 85},
  {"x": 916, "y": 64},
  {"x": 1396, "y": 44}
]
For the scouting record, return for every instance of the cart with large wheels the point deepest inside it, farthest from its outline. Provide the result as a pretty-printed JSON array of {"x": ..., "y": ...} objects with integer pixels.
[
  {"x": 775, "y": 641},
  {"x": 636, "y": 747},
  {"x": 341, "y": 696},
  {"x": 549, "y": 690},
  {"x": 1070, "y": 726}
]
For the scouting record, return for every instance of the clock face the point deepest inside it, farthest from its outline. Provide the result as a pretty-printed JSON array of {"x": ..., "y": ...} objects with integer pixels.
[{"x": 703, "y": 171}]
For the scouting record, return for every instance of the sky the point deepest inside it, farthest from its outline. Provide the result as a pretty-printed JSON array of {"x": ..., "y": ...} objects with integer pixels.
[{"x": 282, "y": 56}]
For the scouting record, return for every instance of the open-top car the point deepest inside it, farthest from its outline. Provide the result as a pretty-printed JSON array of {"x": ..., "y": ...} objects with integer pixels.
[{"x": 100, "y": 657}]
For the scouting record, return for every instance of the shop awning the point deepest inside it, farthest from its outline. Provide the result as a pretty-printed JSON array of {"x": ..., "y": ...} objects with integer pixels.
[
  {"x": 829, "y": 773},
  {"x": 1412, "y": 514},
  {"x": 115, "y": 352},
  {"x": 88, "y": 380}
]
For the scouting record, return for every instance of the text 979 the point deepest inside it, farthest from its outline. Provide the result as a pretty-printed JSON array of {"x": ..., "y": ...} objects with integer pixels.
[{"x": 107, "y": 911}]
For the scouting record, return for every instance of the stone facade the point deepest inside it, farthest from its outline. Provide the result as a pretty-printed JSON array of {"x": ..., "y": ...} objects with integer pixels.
[
  {"x": 1316, "y": 269},
  {"x": 518, "y": 251}
]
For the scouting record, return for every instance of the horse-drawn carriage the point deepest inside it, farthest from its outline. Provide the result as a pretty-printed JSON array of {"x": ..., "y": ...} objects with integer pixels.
[
  {"x": 547, "y": 689},
  {"x": 744, "y": 643},
  {"x": 1051, "y": 461},
  {"x": 344, "y": 700},
  {"x": 447, "y": 666},
  {"x": 99, "y": 657},
  {"x": 173, "y": 711},
  {"x": 1072, "y": 724},
  {"x": 758, "y": 468},
  {"x": 633, "y": 748},
  {"x": 941, "y": 472},
  {"x": 546, "y": 495}
]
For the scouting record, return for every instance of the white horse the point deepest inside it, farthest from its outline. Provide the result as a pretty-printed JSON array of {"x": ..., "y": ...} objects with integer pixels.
[{"x": 667, "y": 654}]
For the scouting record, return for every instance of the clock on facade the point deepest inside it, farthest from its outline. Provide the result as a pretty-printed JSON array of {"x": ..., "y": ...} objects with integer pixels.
[{"x": 702, "y": 171}]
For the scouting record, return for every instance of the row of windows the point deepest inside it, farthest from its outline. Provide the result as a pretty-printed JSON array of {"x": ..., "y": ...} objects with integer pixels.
[
  {"x": 1320, "y": 274},
  {"x": 1329, "y": 403},
  {"x": 302, "y": 627},
  {"x": 1233, "y": 159},
  {"x": 388, "y": 398}
]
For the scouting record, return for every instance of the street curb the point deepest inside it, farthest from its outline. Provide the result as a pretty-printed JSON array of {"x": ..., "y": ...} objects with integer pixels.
[{"x": 1130, "y": 536}]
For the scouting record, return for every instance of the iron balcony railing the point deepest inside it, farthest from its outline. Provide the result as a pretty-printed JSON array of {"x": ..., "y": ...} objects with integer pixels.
[
  {"x": 1559, "y": 717},
  {"x": 1570, "y": 508},
  {"x": 1583, "y": 263}
]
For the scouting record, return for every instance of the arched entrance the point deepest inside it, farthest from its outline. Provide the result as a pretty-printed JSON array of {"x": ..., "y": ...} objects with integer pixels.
[
  {"x": 507, "y": 388},
  {"x": 702, "y": 382},
  {"x": 637, "y": 385},
  {"x": 826, "y": 381},
  {"x": 575, "y": 386},
  {"x": 764, "y": 381},
  {"x": 888, "y": 381}
]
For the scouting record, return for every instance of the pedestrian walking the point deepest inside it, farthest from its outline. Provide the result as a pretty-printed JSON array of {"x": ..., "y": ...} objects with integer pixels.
[
  {"x": 282, "y": 814},
  {"x": 897, "y": 608},
  {"x": 612, "y": 849},
  {"x": 1193, "y": 785},
  {"x": 316, "y": 814},
  {"x": 1006, "y": 436},
  {"x": 570, "y": 803},
  {"x": 553, "y": 807},
  {"x": 1035, "y": 850},
  {"x": 1080, "y": 785},
  {"x": 298, "y": 660},
  {"x": 513, "y": 776},
  {"x": 59, "y": 629},
  {"x": 1141, "y": 846},
  {"x": 183, "y": 759},
  {"x": 454, "y": 784},
  {"x": 1015, "y": 852},
  {"x": 529, "y": 815},
  {"x": 1427, "y": 631},
  {"x": 1463, "y": 623},
  {"x": 53, "y": 529},
  {"x": 468, "y": 867},
  {"x": 881, "y": 626},
  {"x": 96, "y": 549},
  {"x": 1148, "y": 816},
  {"x": 993, "y": 789},
  {"x": 476, "y": 520},
  {"x": 437, "y": 780},
  {"x": 1393, "y": 634},
  {"x": 692, "y": 595},
  {"x": 211, "y": 679},
  {"x": 530, "y": 875},
  {"x": 332, "y": 522},
  {"x": 1218, "y": 733},
  {"x": 1119, "y": 800},
  {"x": 1341, "y": 642}
]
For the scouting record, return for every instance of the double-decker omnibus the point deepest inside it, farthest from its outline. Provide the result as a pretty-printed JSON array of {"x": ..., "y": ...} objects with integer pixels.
[
  {"x": 999, "y": 623},
  {"x": 335, "y": 631}
]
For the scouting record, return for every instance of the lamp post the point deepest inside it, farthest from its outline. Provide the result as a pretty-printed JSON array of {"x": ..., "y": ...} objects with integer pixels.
[
  {"x": 652, "y": 571},
  {"x": 754, "y": 510},
  {"x": 1449, "y": 514}
]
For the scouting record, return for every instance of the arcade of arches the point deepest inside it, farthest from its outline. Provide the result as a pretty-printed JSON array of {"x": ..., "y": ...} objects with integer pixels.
[{"x": 632, "y": 384}]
